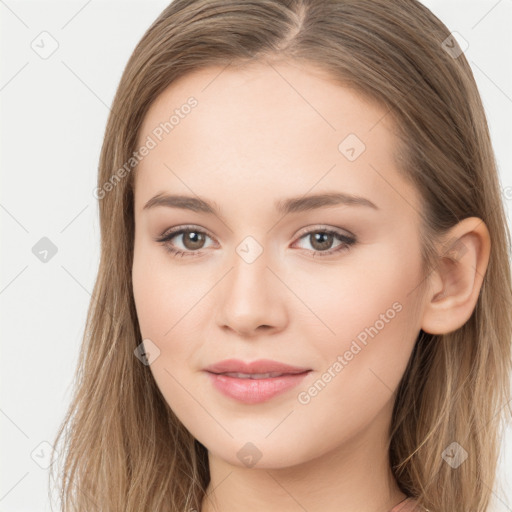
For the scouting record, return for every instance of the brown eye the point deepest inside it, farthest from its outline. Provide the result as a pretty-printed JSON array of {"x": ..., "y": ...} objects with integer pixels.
[
  {"x": 321, "y": 241},
  {"x": 193, "y": 240}
]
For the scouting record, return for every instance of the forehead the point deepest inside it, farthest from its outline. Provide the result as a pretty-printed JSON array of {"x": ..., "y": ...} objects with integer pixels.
[{"x": 268, "y": 128}]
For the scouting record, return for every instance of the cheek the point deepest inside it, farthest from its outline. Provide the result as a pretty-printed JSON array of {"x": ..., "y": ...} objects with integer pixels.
[
  {"x": 372, "y": 311},
  {"x": 361, "y": 365},
  {"x": 162, "y": 299},
  {"x": 367, "y": 288},
  {"x": 163, "y": 292},
  {"x": 169, "y": 300}
]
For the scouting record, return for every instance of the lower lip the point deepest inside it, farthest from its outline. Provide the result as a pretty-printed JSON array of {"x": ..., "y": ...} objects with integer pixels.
[{"x": 254, "y": 391}]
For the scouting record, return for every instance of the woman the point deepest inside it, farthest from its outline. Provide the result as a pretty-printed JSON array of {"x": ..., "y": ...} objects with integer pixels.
[{"x": 303, "y": 299}]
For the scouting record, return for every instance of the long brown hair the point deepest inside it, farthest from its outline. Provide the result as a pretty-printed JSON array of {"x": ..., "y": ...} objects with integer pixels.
[{"x": 122, "y": 446}]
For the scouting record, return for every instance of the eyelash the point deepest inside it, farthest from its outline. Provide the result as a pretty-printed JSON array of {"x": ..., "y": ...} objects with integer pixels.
[{"x": 164, "y": 239}]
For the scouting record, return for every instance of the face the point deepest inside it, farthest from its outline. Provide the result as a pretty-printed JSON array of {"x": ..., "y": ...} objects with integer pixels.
[{"x": 328, "y": 285}]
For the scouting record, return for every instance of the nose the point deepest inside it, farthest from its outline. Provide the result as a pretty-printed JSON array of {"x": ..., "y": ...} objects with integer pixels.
[{"x": 251, "y": 299}]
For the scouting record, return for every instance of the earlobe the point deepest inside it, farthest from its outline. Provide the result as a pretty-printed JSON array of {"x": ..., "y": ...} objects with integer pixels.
[{"x": 456, "y": 281}]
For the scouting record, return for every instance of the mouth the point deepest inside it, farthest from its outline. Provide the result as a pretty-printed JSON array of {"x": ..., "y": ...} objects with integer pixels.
[{"x": 255, "y": 388}]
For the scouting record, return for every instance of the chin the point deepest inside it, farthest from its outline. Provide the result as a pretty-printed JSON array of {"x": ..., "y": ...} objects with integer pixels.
[{"x": 259, "y": 453}]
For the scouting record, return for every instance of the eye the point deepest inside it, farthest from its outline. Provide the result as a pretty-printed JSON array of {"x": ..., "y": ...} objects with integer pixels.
[
  {"x": 322, "y": 239},
  {"x": 193, "y": 239}
]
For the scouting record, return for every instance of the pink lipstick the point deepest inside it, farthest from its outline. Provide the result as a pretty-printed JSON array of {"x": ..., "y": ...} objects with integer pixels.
[{"x": 254, "y": 382}]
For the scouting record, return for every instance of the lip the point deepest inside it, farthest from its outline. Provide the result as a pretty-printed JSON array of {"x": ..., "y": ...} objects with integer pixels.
[
  {"x": 259, "y": 366},
  {"x": 257, "y": 390}
]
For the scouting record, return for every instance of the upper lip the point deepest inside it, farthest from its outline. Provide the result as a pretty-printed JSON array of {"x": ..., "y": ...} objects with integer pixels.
[{"x": 259, "y": 366}]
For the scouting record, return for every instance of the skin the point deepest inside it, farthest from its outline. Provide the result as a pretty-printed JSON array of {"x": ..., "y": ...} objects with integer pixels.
[{"x": 264, "y": 133}]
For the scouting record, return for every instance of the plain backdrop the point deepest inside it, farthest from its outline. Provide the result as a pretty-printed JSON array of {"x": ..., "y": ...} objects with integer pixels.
[{"x": 53, "y": 114}]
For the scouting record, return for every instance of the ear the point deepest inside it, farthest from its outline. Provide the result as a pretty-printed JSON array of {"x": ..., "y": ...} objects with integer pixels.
[{"x": 456, "y": 281}]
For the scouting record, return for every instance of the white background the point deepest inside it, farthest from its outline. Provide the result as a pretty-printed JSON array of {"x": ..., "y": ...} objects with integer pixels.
[{"x": 53, "y": 114}]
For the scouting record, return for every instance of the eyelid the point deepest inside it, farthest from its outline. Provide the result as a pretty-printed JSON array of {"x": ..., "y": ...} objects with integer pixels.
[
  {"x": 178, "y": 229},
  {"x": 325, "y": 227}
]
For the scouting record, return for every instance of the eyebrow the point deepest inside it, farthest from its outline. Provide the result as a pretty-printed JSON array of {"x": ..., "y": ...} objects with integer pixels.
[{"x": 283, "y": 206}]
